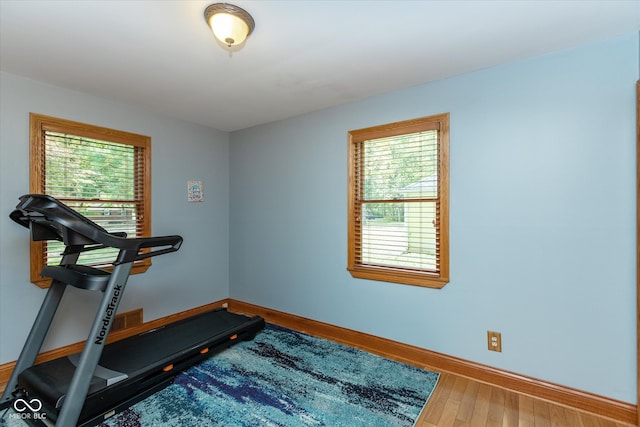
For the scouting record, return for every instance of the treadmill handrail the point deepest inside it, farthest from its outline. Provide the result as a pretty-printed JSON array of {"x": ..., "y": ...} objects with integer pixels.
[{"x": 59, "y": 222}]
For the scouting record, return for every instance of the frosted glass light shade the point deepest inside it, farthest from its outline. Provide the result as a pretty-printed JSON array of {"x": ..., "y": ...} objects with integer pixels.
[
  {"x": 230, "y": 24},
  {"x": 229, "y": 29}
]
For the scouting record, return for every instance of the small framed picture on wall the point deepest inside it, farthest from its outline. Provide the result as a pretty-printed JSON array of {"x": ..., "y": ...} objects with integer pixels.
[{"x": 195, "y": 191}]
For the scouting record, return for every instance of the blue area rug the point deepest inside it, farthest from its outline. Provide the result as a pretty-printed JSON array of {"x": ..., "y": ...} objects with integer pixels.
[{"x": 287, "y": 379}]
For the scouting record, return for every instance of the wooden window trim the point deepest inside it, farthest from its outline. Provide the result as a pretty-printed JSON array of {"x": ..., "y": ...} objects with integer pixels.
[
  {"x": 41, "y": 123},
  {"x": 397, "y": 275}
]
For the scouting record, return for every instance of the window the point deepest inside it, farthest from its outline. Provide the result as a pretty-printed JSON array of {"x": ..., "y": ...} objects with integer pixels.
[
  {"x": 102, "y": 173},
  {"x": 399, "y": 202}
]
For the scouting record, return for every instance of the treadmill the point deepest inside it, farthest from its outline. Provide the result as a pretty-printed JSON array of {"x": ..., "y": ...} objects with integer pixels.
[{"x": 88, "y": 387}]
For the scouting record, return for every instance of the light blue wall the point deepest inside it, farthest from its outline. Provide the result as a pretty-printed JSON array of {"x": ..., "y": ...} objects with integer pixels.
[
  {"x": 181, "y": 151},
  {"x": 542, "y": 219}
]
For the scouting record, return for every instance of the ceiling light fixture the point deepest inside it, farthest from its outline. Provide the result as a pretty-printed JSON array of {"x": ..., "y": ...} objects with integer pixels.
[{"x": 230, "y": 24}]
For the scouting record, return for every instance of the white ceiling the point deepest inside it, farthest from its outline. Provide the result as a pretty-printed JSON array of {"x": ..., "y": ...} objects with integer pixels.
[{"x": 303, "y": 55}]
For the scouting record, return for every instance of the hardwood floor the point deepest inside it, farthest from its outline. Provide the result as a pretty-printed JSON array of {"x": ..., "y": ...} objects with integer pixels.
[{"x": 458, "y": 401}]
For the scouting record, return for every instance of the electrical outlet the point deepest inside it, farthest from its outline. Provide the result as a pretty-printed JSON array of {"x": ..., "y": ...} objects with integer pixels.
[{"x": 494, "y": 341}]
